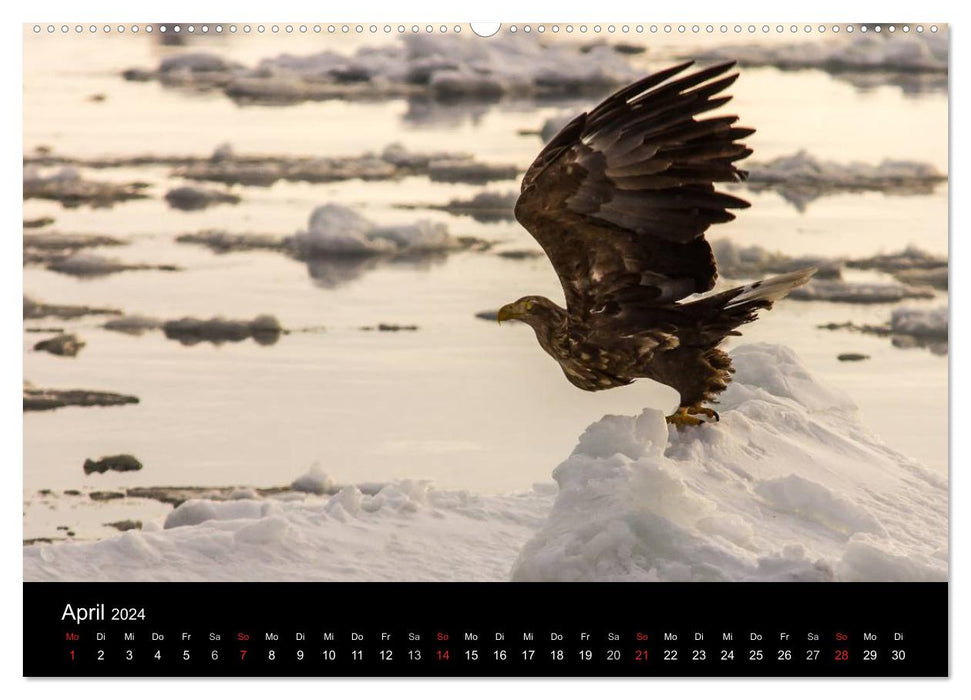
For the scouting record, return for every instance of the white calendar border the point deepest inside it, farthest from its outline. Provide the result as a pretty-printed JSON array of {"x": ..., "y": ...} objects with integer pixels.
[{"x": 11, "y": 282}]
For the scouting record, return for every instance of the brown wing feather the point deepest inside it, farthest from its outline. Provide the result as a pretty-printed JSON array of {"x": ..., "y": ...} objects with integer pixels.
[{"x": 621, "y": 197}]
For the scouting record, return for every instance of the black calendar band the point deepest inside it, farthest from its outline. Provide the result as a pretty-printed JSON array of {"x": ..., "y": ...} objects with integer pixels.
[{"x": 485, "y": 629}]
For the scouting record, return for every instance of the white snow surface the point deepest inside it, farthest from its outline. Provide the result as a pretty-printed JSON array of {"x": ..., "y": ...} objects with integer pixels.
[
  {"x": 789, "y": 485},
  {"x": 406, "y": 531}
]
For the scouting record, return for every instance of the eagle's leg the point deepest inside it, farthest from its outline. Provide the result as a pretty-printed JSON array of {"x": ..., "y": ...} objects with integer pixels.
[
  {"x": 695, "y": 410},
  {"x": 681, "y": 418}
]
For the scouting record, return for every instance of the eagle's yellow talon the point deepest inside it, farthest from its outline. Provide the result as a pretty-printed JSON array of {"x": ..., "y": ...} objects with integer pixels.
[
  {"x": 695, "y": 410},
  {"x": 680, "y": 419}
]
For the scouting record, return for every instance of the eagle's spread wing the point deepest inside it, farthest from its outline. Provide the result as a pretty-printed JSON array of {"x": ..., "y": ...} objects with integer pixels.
[{"x": 621, "y": 197}]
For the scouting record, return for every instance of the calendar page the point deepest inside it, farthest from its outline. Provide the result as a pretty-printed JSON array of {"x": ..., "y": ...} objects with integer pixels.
[{"x": 612, "y": 349}]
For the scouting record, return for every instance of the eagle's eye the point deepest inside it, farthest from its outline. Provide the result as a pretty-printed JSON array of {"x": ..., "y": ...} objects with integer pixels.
[{"x": 529, "y": 306}]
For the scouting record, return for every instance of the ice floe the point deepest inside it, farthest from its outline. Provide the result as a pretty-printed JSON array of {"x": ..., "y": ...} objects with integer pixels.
[
  {"x": 35, "y": 309},
  {"x": 741, "y": 262},
  {"x": 921, "y": 322},
  {"x": 801, "y": 177},
  {"x": 83, "y": 264},
  {"x": 838, "y": 290},
  {"x": 228, "y": 167},
  {"x": 911, "y": 52},
  {"x": 66, "y": 186},
  {"x": 485, "y": 206},
  {"x": 908, "y": 327},
  {"x": 335, "y": 230},
  {"x": 45, "y": 248},
  {"x": 440, "y": 67}
]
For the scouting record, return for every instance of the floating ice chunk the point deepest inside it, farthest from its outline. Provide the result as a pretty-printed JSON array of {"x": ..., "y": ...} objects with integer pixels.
[
  {"x": 859, "y": 292},
  {"x": 426, "y": 65},
  {"x": 65, "y": 185},
  {"x": 801, "y": 167},
  {"x": 84, "y": 264},
  {"x": 195, "y": 63},
  {"x": 314, "y": 481},
  {"x": 924, "y": 323},
  {"x": 336, "y": 230},
  {"x": 422, "y": 237},
  {"x": 735, "y": 261},
  {"x": 913, "y": 52},
  {"x": 801, "y": 178}
]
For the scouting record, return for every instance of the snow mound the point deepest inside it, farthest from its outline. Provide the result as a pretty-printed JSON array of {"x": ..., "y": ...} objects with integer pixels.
[
  {"x": 336, "y": 230},
  {"x": 924, "y": 323},
  {"x": 405, "y": 531},
  {"x": 788, "y": 486},
  {"x": 911, "y": 52}
]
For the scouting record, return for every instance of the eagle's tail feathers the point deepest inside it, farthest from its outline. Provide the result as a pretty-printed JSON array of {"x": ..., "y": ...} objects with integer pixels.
[{"x": 770, "y": 289}]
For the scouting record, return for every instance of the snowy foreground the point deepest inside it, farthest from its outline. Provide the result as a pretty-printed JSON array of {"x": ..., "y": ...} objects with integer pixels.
[{"x": 788, "y": 486}]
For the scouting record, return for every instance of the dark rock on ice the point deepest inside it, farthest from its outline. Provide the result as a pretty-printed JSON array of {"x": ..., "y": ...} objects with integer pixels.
[
  {"x": 50, "y": 399},
  {"x": 116, "y": 463},
  {"x": 34, "y": 309},
  {"x": 196, "y": 198},
  {"x": 132, "y": 325},
  {"x": 265, "y": 330},
  {"x": 105, "y": 495},
  {"x": 527, "y": 254},
  {"x": 125, "y": 525},
  {"x": 39, "y": 222},
  {"x": 65, "y": 345},
  {"x": 390, "y": 327}
]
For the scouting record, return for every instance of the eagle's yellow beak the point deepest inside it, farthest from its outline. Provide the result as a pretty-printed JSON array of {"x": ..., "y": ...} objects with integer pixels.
[{"x": 507, "y": 312}]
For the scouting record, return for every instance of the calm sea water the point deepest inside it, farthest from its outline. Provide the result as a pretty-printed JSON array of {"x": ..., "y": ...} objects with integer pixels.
[{"x": 461, "y": 401}]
